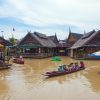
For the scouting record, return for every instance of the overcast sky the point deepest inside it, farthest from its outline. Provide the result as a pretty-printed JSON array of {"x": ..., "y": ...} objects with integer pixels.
[{"x": 48, "y": 16}]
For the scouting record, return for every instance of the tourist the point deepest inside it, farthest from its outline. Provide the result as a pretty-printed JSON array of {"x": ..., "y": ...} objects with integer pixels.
[
  {"x": 64, "y": 68},
  {"x": 61, "y": 68},
  {"x": 76, "y": 66},
  {"x": 70, "y": 67},
  {"x": 21, "y": 58},
  {"x": 82, "y": 64}
]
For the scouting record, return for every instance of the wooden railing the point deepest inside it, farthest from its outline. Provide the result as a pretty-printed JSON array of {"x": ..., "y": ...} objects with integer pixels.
[{"x": 36, "y": 55}]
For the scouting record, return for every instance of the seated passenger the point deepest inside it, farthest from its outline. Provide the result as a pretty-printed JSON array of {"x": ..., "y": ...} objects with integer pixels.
[
  {"x": 70, "y": 67},
  {"x": 21, "y": 58},
  {"x": 61, "y": 68},
  {"x": 64, "y": 68},
  {"x": 76, "y": 66},
  {"x": 82, "y": 64}
]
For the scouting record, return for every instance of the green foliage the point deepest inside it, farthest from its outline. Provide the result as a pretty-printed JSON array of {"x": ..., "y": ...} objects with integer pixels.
[{"x": 12, "y": 40}]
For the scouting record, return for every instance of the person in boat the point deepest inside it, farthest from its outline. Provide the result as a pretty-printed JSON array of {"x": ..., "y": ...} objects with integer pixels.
[
  {"x": 76, "y": 67},
  {"x": 82, "y": 64},
  {"x": 62, "y": 68},
  {"x": 70, "y": 67},
  {"x": 21, "y": 58}
]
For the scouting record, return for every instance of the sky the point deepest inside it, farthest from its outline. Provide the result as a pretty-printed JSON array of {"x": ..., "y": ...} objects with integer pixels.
[{"x": 48, "y": 17}]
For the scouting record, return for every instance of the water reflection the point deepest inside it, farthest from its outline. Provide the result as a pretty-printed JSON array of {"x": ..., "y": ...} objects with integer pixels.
[
  {"x": 26, "y": 82},
  {"x": 93, "y": 77}
]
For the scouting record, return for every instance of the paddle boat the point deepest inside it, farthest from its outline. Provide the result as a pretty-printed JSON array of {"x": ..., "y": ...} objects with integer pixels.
[
  {"x": 19, "y": 60},
  {"x": 63, "y": 72},
  {"x": 5, "y": 66}
]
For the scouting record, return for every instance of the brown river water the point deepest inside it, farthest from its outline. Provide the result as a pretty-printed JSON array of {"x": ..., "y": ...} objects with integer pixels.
[{"x": 26, "y": 82}]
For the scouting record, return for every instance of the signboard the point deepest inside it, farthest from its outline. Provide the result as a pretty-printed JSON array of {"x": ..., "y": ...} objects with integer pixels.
[{"x": 61, "y": 50}]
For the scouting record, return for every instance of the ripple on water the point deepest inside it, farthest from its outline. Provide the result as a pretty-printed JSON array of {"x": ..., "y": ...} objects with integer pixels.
[{"x": 26, "y": 82}]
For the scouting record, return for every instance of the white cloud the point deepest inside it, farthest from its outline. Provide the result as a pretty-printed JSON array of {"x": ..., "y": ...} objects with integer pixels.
[{"x": 83, "y": 14}]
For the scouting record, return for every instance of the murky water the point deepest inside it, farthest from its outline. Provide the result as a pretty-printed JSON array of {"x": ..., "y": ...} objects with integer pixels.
[{"x": 26, "y": 82}]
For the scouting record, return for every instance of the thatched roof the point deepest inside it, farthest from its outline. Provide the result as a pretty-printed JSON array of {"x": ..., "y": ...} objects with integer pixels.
[
  {"x": 77, "y": 36},
  {"x": 85, "y": 39},
  {"x": 5, "y": 42},
  {"x": 72, "y": 38},
  {"x": 42, "y": 39},
  {"x": 40, "y": 35},
  {"x": 54, "y": 39}
]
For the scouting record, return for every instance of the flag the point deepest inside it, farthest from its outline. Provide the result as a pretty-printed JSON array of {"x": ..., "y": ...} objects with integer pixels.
[{"x": 13, "y": 29}]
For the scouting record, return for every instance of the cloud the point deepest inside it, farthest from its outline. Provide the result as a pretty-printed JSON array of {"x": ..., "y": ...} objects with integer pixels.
[{"x": 50, "y": 16}]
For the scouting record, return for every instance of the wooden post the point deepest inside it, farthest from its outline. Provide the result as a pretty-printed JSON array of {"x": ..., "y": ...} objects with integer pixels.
[
  {"x": 71, "y": 53},
  {"x": 39, "y": 50}
]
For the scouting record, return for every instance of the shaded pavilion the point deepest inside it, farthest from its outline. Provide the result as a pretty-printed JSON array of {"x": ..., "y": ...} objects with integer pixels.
[
  {"x": 71, "y": 40},
  {"x": 36, "y": 45},
  {"x": 87, "y": 44}
]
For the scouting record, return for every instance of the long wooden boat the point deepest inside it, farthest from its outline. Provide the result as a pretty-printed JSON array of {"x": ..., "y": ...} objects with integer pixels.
[
  {"x": 18, "y": 61},
  {"x": 58, "y": 73},
  {"x": 5, "y": 66}
]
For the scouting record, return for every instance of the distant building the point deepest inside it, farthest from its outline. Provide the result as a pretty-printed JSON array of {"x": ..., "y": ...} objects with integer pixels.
[
  {"x": 63, "y": 43},
  {"x": 61, "y": 46},
  {"x": 54, "y": 39},
  {"x": 5, "y": 42},
  {"x": 71, "y": 40},
  {"x": 87, "y": 44},
  {"x": 36, "y": 45}
]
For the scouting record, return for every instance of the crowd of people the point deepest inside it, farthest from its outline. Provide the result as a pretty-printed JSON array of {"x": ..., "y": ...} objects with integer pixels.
[{"x": 71, "y": 66}]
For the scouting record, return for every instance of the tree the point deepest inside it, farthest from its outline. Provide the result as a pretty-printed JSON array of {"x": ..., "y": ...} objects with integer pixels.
[{"x": 13, "y": 40}]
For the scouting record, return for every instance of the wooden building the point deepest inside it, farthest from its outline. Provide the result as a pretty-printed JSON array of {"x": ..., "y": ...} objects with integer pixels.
[
  {"x": 4, "y": 51},
  {"x": 36, "y": 45},
  {"x": 87, "y": 44},
  {"x": 61, "y": 46},
  {"x": 56, "y": 41},
  {"x": 6, "y": 45},
  {"x": 5, "y": 42},
  {"x": 72, "y": 38}
]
